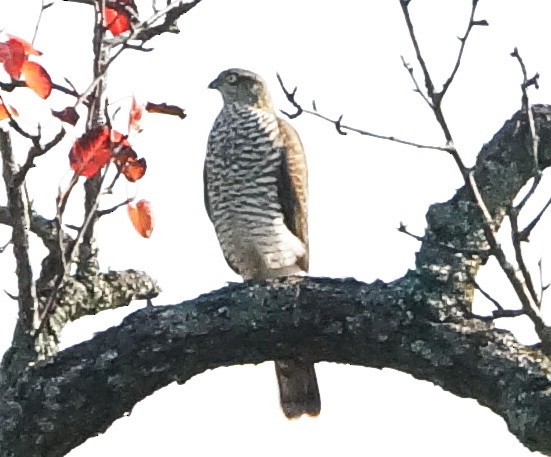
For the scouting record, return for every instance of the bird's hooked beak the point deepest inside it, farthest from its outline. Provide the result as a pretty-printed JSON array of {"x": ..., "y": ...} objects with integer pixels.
[{"x": 214, "y": 84}]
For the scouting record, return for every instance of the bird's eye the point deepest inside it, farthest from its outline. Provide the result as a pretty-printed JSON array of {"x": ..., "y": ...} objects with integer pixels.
[{"x": 231, "y": 78}]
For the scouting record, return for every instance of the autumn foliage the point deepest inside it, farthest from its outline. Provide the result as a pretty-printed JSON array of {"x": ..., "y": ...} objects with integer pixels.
[
  {"x": 97, "y": 147},
  {"x": 14, "y": 56},
  {"x": 91, "y": 152},
  {"x": 100, "y": 145},
  {"x": 141, "y": 217},
  {"x": 117, "y": 19}
]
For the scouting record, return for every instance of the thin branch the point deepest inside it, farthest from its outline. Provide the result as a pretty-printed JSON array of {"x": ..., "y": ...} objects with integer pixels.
[
  {"x": 534, "y": 138},
  {"x": 503, "y": 313},
  {"x": 463, "y": 40},
  {"x": 513, "y": 217},
  {"x": 36, "y": 151},
  {"x": 37, "y": 25},
  {"x": 486, "y": 295},
  {"x": 522, "y": 289},
  {"x": 428, "y": 80},
  {"x": 9, "y": 87},
  {"x": 341, "y": 127},
  {"x": 473, "y": 187},
  {"x": 524, "y": 234},
  {"x": 5, "y": 246},
  {"x": 291, "y": 98},
  {"x": 543, "y": 287},
  {"x": 423, "y": 239},
  {"x": 409, "y": 69},
  {"x": 528, "y": 305},
  {"x": 104, "y": 212},
  {"x": 19, "y": 212},
  {"x": 508, "y": 313}
]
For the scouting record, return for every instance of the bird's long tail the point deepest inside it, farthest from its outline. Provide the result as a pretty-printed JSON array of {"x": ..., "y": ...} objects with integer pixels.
[{"x": 298, "y": 388}]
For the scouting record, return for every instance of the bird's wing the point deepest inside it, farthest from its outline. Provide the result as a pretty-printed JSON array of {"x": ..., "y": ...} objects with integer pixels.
[
  {"x": 293, "y": 186},
  {"x": 205, "y": 192}
]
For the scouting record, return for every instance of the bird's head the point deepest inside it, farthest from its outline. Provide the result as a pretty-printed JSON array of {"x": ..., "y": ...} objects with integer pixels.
[{"x": 242, "y": 86}]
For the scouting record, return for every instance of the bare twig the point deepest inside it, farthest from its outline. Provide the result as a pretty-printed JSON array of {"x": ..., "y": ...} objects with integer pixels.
[
  {"x": 61, "y": 203},
  {"x": 524, "y": 234},
  {"x": 19, "y": 212},
  {"x": 522, "y": 289},
  {"x": 37, "y": 26},
  {"x": 9, "y": 87},
  {"x": 463, "y": 40},
  {"x": 426, "y": 76},
  {"x": 341, "y": 127},
  {"x": 5, "y": 246},
  {"x": 291, "y": 98},
  {"x": 36, "y": 150},
  {"x": 104, "y": 212},
  {"x": 109, "y": 188},
  {"x": 543, "y": 287},
  {"x": 409, "y": 69},
  {"x": 534, "y": 143},
  {"x": 487, "y": 295},
  {"x": 423, "y": 239},
  {"x": 525, "y": 274},
  {"x": 498, "y": 314}
]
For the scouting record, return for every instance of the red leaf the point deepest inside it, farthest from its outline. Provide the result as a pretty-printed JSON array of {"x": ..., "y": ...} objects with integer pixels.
[
  {"x": 7, "y": 111},
  {"x": 27, "y": 47},
  {"x": 135, "y": 117},
  {"x": 141, "y": 217},
  {"x": 163, "y": 108},
  {"x": 37, "y": 78},
  {"x": 91, "y": 152},
  {"x": 68, "y": 115},
  {"x": 116, "y": 21},
  {"x": 12, "y": 56}
]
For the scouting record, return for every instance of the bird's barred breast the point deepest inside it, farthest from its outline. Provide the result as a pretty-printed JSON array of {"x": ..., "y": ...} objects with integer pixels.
[{"x": 243, "y": 161}]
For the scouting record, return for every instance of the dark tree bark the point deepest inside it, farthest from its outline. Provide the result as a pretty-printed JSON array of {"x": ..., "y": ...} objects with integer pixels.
[{"x": 420, "y": 324}]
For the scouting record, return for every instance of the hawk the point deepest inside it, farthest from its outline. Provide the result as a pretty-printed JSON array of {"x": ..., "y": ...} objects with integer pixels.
[{"x": 256, "y": 194}]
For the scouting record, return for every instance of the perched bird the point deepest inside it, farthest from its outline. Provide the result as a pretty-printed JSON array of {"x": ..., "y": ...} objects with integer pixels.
[{"x": 256, "y": 194}]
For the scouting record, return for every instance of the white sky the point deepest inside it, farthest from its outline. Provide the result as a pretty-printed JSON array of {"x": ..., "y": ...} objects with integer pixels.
[{"x": 346, "y": 56}]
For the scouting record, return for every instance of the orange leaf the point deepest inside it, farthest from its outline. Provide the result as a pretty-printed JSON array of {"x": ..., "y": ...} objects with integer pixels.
[
  {"x": 27, "y": 47},
  {"x": 126, "y": 158},
  {"x": 133, "y": 169},
  {"x": 12, "y": 56},
  {"x": 91, "y": 152},
  {"x": 163, "y": 108},
  {"x": 7, "y": 111},
  {"x": 68, "y": 115},
  {"x": 37, "y": 78},
  {"x": 141, "y": 217},
  {"x": 135, "y": 117},
  {"x": 116, "y": 21}
]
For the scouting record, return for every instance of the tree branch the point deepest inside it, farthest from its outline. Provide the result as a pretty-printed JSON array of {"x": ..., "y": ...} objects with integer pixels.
[
  {"x": 341, "y": 321},
  {"x": 19, "y": 214},
  {"x": 341, "y": 127}
]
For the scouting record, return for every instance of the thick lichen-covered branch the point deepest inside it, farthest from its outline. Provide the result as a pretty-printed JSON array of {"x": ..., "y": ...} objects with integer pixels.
[
  {"x": 75, "y": 299},
  {"x": 60, "y": 403}
]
